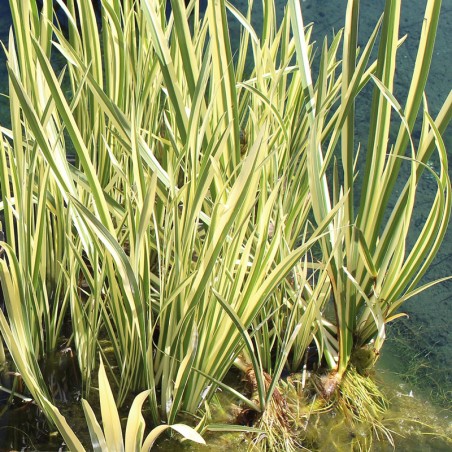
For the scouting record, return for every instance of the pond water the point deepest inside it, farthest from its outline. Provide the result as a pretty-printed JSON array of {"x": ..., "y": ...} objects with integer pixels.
[{"x": 416, "y": 361}]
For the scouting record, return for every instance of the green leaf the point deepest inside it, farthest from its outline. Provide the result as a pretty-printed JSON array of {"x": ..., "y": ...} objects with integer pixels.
[
  {"x": 135, "y": 423},
  {"x": 188, "y": 433},
  {"x": 110, "y": 415},
  {"x": 95, "y": 431}
]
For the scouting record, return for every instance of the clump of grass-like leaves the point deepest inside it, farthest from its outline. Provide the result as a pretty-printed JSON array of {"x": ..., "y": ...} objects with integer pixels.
[{"x": 161, "y": 195}]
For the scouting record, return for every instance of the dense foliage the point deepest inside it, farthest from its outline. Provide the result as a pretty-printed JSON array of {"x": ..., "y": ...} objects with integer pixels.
[{"x": 196, "y": 202}]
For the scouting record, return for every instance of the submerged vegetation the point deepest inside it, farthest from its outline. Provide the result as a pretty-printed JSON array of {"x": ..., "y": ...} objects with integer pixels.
[{"x": 176, "y": 206}]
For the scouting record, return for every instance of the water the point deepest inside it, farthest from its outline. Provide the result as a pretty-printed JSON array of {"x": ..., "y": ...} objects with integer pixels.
[
  {"x": 419, "y": 349},
  {"x": 5, "y": 23}
]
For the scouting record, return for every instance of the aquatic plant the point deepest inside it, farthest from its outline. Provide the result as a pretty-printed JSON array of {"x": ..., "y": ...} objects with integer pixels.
[
  {"x": 373, "y": 268},
  {"x": 197, "y": 203},
  {"x": 110, "y": 437},
  {"x": 165, "y": 224}
]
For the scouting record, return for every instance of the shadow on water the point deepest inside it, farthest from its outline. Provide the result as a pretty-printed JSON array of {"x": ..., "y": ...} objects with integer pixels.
[{"x": 22, "y": 424}]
